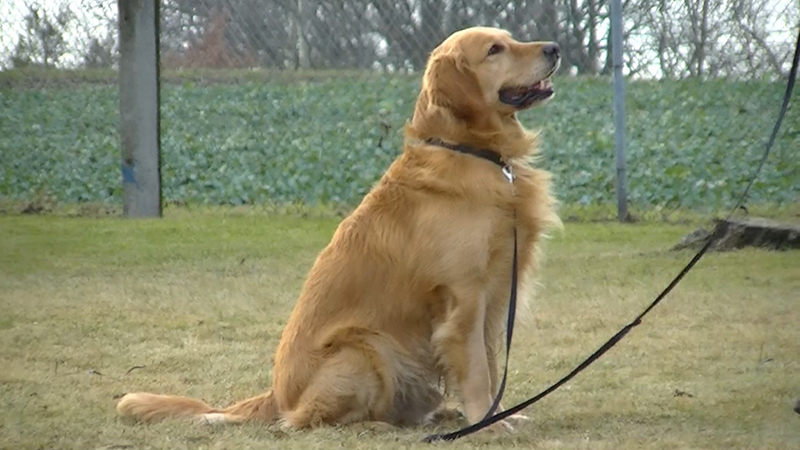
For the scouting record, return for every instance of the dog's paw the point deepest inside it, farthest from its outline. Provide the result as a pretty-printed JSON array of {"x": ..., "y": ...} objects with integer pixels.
[
  {"x": 518, "y": 418},
  {"x": 501, "y": 427},
  {"x": 284, "y": 425},
  {"x": 442, "y": 415}
]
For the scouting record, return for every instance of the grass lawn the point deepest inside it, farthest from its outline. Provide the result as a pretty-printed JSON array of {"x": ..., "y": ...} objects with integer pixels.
[{"x": 194, "y": 304}]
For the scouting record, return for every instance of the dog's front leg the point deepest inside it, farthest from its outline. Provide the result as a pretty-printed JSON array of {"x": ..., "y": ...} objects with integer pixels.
[
  {"x": 495, "y": 332},
  {"x": 461, "y": 345},
  {"x": 493, "y": 345}
]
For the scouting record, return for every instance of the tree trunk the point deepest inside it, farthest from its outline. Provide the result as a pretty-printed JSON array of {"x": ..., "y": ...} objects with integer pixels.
[
  {"x": 431, "y": 33},
  {"x": 303, "y": 52},
  {"x": 701, "y": 51},
  {"x": 594, "y": 45},
  {"x": 735, "y": 234}
]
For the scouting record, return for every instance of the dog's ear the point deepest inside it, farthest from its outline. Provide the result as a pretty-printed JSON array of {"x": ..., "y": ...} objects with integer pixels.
[{"x": 449, "y": 83}]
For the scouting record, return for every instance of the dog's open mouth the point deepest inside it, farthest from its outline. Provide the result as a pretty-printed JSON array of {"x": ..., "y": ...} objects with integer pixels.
[{"x": 522, "y": 97}]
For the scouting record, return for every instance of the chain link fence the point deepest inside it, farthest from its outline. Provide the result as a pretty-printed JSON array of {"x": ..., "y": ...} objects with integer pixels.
[{"x": 302, "y": 102}]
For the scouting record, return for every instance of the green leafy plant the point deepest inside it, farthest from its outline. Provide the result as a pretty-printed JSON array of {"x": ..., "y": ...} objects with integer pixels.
[{"x": 690, "y": 144}]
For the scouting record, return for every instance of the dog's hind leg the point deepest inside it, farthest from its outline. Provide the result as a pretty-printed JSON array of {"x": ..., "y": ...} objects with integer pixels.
[{"x": 347, "y": 389}]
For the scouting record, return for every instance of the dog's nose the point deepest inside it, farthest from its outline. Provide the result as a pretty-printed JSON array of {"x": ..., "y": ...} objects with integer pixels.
[{"x": 551, "y": 51}]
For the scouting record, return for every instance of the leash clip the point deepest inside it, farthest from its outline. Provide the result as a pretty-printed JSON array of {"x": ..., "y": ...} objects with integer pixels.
[{"x": 509, "y": 173}]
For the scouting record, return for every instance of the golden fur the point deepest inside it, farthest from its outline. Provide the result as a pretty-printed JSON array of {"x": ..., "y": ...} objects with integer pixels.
[{"x": 414, "y": 284}]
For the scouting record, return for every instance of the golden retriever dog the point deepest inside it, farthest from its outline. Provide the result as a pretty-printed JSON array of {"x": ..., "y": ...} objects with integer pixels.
[{"x": 414, "y": 286}]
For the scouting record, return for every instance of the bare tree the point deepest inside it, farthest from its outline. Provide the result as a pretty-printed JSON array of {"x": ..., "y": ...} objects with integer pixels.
[
  {"x": 42, "y": 43},
  {"x": 750, "y": 20},
  {"x": 669, "y": 38},
  {"x": 711, "y": 38},
  {"x": 100, "y": 52}
]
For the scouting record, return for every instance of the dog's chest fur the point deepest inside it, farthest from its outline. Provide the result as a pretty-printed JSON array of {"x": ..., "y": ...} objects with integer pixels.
[{"x": 460, "y": 214}]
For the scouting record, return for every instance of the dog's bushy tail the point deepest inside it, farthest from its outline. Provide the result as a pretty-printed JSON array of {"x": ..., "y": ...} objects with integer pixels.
[{"x": 148, "y": 407}]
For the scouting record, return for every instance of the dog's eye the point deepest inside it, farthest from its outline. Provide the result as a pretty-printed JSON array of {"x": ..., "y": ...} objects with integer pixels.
[{"x": 495, "y": 49}]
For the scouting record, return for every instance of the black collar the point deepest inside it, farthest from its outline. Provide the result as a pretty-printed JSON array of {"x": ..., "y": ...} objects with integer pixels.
[{"x": 488, "y": 155}]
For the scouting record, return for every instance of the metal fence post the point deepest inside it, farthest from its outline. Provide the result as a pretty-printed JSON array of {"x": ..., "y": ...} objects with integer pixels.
[
  {"x": 619, "y": 109},
  {"x": 139, "y": 108}
]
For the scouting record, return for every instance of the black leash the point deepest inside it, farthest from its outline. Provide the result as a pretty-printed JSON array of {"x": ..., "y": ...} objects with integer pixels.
[{"x": 718, "y": 232}]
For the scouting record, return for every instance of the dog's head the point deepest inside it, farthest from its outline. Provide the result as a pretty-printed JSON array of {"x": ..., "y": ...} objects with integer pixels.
[
  {"x": 474, "y": 83},
  {"x": 478, "y": 71}
]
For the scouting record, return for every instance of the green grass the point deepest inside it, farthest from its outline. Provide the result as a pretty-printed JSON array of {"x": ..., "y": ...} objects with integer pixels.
[
  {"x": 243, "y": 138},
  {"x": 199, "y": 299}
]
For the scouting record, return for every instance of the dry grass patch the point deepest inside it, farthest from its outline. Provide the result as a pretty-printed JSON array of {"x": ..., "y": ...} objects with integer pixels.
[{"x": 200, "y": 300}]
